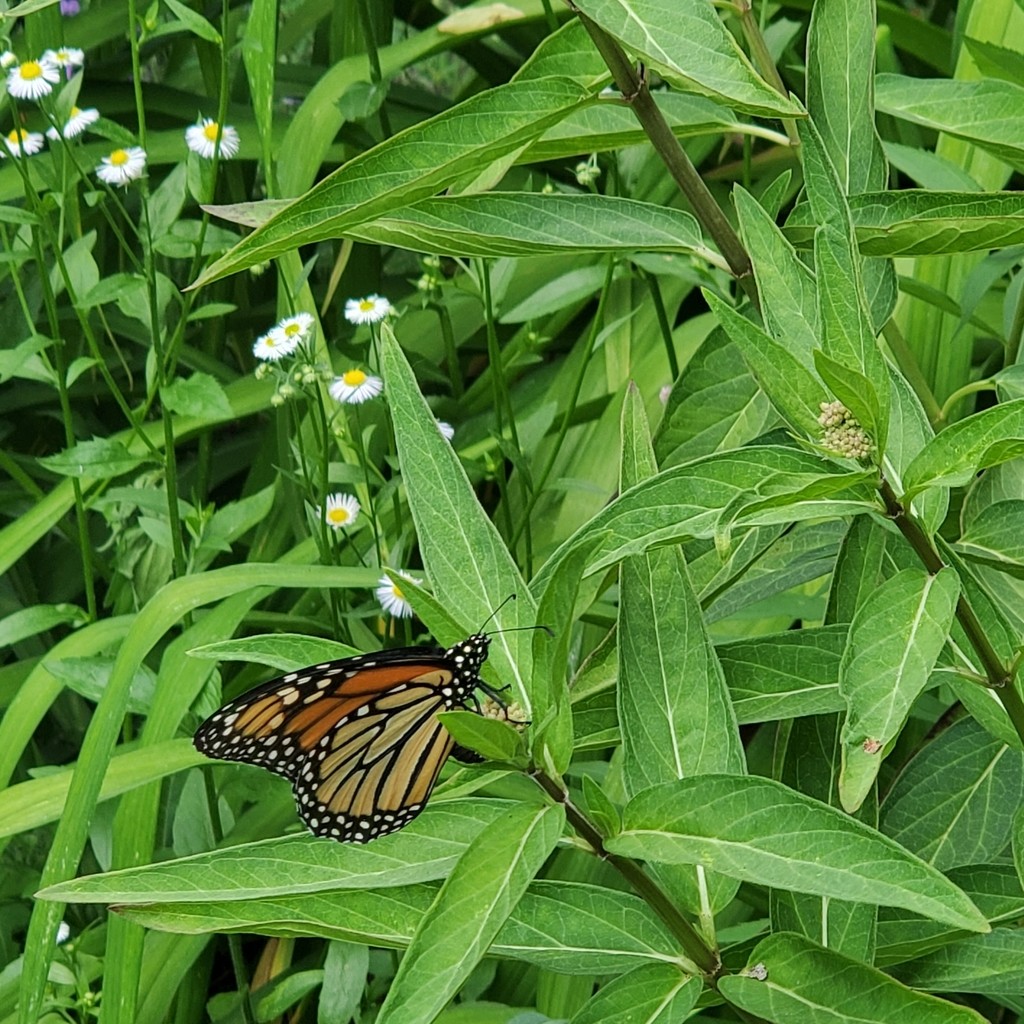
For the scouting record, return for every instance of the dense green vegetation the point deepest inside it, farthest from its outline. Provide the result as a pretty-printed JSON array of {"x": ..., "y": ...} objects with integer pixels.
[{"x": 330, "y": 326}]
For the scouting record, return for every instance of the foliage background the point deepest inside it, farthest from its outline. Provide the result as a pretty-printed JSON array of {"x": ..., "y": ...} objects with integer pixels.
[{"x": 780, "y": 702}]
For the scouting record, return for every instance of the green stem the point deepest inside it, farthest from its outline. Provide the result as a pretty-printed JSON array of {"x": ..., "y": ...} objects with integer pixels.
[
  {"x": 636, "y": 93},
  {"x": 663, "y": 324},
  {"x": 370, "y": 40},
  {"x": 909, "y": 367}
]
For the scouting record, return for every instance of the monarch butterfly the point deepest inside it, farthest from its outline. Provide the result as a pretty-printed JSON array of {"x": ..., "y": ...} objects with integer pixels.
[{"x": 358, "y": 738}]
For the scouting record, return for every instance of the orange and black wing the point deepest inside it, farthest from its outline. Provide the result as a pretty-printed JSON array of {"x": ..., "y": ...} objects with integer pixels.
[{"x": 358, "y": 738}]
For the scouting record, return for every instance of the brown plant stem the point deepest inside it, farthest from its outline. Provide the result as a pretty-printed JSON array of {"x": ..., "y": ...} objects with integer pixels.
[
  {"x": 705, "y": 958},
  {"x": 997, "y": 674},
  {"x": 636, "y": 93}
]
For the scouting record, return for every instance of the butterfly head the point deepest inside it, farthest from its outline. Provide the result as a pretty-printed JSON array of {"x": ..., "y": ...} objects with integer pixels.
[{"x": 468, "y": 655}]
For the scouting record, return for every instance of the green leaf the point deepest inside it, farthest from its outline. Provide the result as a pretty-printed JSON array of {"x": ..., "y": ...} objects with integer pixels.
[
  {"x": 987, "y": 964},
  {"x": 954, "y": 803},
  {"x": 791, "y": 980},
  {"x": 493, "y": 738},
  {"x": 38, "y": 619},
  {"x": 954, "y": 457},
  {"x": 759, "y": 485},
  {"x": 789, "y": 295},
  {"x": 423, "y": 851},
  {"x": 285, "y": 652},
  {"x": 795, "y": 392},
  {"x": 567, "y": 927},
  {"x": 649, "y": 994},
  {"x": 715, "y": 405},
  {"x": 660, "y": 32},
  {"x": 465, "y": 918},
  {"x": 984, "y": 113},
  {"x": 996, "y": 534},
  {"x": 100, "y": 457},
  {"x": 914, "y": 222},
  {"x": 37, "y": 802},
  {"x": 469, "y": 566},
  {"x": 785, "y": 675},
  {"x": 411, "y": 165},
  {"x": 201, "y": 396},
  {"x": 758, "y": 830},
  {"x": 895, "y": 640},
  {"x": 194, "y": 22},
  {"x": 532, "y": 224}
]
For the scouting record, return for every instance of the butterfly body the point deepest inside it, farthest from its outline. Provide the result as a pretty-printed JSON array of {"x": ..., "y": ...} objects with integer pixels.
[{"x": 358, "y": 738}]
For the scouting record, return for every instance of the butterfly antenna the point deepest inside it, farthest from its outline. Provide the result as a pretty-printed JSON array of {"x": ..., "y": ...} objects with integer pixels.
[
  {"x": 511, "y": 597},
  {"x": 515, "y": 629}
]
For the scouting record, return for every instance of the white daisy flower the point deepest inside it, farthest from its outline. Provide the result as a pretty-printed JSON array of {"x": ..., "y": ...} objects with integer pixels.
[
  {"x": 354, "y": 386},
  {"x": 447, "y": 430},
  {"x": 293, "y": 328},
  {"x": 32, "y": 80},
  {"x": 340, "y": 510},
  {"x": 368, "y": 310},
  {"x": 20, "y": 142},
  {"x": 202, "y": 139},
  {"x": 76, "y": 123},
  {"x": 67, "y": 57},
  {"x": 122, "y": 166},
  {"x": 391, "y": 598},
  {"x": 8, "y": 59},
  {"x": 272, "y": 346}
]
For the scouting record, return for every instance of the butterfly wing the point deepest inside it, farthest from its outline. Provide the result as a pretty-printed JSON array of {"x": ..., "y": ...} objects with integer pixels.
[
  {"x": 277, "y": 725},
  {"x": 373, "y": 773}
]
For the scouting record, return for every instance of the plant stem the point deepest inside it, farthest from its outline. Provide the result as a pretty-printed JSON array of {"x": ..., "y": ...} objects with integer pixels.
[
  {"x": 997, "y": 673},
  {"x": 705, "y": 958},
  {"x": 635, "y": 92}
]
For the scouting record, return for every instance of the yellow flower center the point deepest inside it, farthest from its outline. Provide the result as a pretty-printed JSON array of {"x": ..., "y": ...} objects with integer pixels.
[
  {"x": 338, "y": 515},
  {"x": 353, "y": 378},
  {"x": 398, "y": 593},
  {"x": 17, "y": 136},
  {"x": 210, "y": 131},
  {"x": 366, "y": 305},
  {"x": 119, "y": 157},
  {"x": 292, "y": 329},
  {"x": 31, "y": 70},
  {"x": 75, "y": 111}
]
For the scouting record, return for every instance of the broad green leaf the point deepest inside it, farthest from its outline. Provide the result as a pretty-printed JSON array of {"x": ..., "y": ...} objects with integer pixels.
[
  {"x": 612, "y": 125},
  {"x": 984, "y": 112},
  {"x": 285, "y": 652},
  {"x": 794, "y": 391},
  {"x": 200, "y": 395},
  {"x": 759, "y": 485},
  {"x": 715, "y": 405},
  {"x": 857, "y": 571},
  {"x": 785, "y": 675},
  {"x": 567, "y": 927},
  {"x": 790, "y": 980},
  {"x": 954, "y": 457},
  {"x": 954, "y": 803},
  {"x": 996, "y": 534},
  {"x": 465, "y": 918},
  {"x": 994, "y": 888},
  {"x": 425, "y": 850},
  {"x": 789, "y": 297},
  {"x": 650, "y": 994},
  {"x": 259, "y": 45},
  {"x": 532, "y": 224},
  {"x": 987, "y": 964},
  {"x": 468, "y": 564},
  {"x": 567, "y": 52},
  {"x": 100, "y": 457},
  {"x": 895, "y": 640},
  {"x": 914, "y": 222},
  {"x": 27, "y": 805},
  {"x": 760, "y": 831},
  {"x": 492, "y": 738},
  {"x": 410, "y": 166},
  {"x": 687, "y": 44}
]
